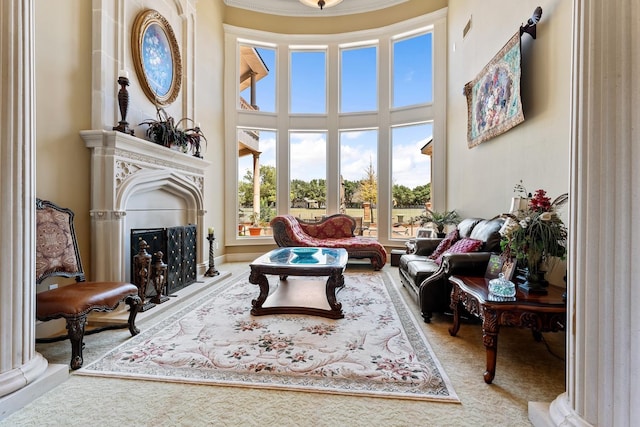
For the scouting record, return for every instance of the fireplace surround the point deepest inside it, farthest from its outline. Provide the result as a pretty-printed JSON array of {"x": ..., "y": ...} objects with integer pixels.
[{"x": 138, "y": 184}]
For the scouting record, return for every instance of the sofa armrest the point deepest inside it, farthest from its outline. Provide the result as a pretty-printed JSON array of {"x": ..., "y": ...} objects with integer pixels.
[
  {"x": 426, "y": 245},
  {"x": 469, "y": 264}
]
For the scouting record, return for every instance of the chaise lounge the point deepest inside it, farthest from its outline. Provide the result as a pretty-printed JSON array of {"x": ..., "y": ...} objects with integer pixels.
[{"x": 335, "y": 231}]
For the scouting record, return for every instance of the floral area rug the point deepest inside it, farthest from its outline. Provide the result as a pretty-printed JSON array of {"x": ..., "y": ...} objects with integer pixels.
[{"x": 378, "y": 348}]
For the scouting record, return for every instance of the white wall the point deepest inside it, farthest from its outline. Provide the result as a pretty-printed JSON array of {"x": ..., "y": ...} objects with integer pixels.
[
  {"x": 209, "y": 47},
  {"x": 480, "y": 180}
]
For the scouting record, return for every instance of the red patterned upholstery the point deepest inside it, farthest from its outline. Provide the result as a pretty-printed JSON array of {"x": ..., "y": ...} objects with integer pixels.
[
  {"x": 462, "y": 246},
  {"x": 333, "y": 227},
  {"x": 335, "y": 231},
  {"x": 445, "y": 244}
]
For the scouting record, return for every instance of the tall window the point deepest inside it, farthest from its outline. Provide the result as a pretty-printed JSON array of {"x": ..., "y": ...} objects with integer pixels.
[
  {"x": 308, "y": 174},
  {"x": 308, "y": 82},
  {"x": 410, "y": 176},
  {"x": 412, "y": 70},
  {"x": 358, "y": 80},
  {"x": 256, "y": 180},
  {"x": 347, "y": 124},
  {"x": 358, "y": 172},
  {"x": 257, "y": 76}
]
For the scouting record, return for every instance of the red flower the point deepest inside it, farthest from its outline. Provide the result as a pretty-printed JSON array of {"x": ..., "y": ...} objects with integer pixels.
[{"x": 540, "y": 202}]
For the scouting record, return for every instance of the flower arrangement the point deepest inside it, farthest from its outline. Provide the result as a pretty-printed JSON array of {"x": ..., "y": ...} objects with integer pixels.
[{"x": 535, "y": 234}]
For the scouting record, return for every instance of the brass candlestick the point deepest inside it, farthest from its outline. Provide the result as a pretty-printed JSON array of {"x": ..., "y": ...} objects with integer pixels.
[
  {"x": 211, "y": 271},
  {"x": 123, "y": 103}
]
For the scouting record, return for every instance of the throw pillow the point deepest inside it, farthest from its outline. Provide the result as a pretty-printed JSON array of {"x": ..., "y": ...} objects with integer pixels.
[
  {"x": 462, "y": 246},
  {"x": 445, "y": 244}
]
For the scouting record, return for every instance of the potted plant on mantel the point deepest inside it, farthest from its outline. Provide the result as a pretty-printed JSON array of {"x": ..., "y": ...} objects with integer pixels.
[
  {"x": 439, "y": 220},
  {"x": 167, "y": 132}
]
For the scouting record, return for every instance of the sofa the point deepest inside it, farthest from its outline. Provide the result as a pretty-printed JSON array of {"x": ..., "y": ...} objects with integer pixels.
[
  {"x": 426, "y": 268},
  {"x": 335, "y": 231}
]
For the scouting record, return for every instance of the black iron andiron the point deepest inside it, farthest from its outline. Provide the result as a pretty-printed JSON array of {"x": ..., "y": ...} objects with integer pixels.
[{"x": 211, "y": 271}]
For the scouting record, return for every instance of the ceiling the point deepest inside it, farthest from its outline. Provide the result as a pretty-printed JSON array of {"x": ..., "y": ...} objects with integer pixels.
[{"x": 295, "y": 8}]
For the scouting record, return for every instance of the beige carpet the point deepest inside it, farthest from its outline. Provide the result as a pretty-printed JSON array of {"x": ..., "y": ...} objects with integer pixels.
[{"x": 526, "y": 371}]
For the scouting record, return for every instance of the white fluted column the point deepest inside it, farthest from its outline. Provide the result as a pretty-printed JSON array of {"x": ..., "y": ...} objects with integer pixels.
[
  {"x": 603, "y": 339},
  {"x": 19, "y": 363}
]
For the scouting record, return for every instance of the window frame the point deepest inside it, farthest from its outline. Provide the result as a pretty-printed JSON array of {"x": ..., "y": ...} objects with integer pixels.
[{"x": 333, "y": 122}]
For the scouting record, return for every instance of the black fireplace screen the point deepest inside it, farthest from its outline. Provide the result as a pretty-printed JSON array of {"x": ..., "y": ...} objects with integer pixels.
[{"x": 179, "y": 248}]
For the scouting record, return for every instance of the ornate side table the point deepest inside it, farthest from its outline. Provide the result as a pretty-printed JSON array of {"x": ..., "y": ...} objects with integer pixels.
[{"x": 541, "y": 313}]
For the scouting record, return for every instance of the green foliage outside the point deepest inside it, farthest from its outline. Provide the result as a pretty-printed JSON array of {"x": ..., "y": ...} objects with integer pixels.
[{"x": 355, "y": 192}]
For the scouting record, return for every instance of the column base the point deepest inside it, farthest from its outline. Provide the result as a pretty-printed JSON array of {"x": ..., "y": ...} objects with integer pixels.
[
  {"x": 539, "y": 414},
  {"x": 557, "y": 413},
  {"x": 54, "y": 375}
]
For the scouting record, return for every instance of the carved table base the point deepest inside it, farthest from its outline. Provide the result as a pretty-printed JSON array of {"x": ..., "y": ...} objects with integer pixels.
[
  {"x": 541, "y": 313},
  {"x": 305, "y": 293}
]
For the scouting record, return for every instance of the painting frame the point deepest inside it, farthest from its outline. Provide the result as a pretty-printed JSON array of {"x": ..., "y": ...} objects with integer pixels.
[
  {"x": 494, "y": 104},
  {"x": 156, "y": 57},
  {"x": 495, "y": 266}
]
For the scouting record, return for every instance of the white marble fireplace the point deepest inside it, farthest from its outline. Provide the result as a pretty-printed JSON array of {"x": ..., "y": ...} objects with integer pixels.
[{"x": 139, "y": 184}]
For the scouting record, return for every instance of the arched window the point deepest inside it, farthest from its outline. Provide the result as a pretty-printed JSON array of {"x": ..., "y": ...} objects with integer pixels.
[{"x": 321, "y": 124}]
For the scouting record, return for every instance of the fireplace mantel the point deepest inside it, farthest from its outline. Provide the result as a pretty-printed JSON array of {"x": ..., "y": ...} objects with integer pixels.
[{"x": 124, "y": 166}]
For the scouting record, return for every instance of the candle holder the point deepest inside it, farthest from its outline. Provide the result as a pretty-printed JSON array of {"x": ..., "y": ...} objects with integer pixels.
[
  {"x": 211, "y": 271},
  {"x": 196, "y": 142},
  {"x": 123, "y": 102}
]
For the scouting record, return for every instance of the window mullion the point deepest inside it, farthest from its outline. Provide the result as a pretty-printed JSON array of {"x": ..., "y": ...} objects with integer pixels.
[
  {"x": 282, "y": 137},
  {"x": 333, "y": 138},
  {"x": 384, "y": 137}
]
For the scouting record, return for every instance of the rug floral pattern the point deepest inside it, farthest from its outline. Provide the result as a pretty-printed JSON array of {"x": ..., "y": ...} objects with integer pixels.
[{"x": 376, "y": 350}]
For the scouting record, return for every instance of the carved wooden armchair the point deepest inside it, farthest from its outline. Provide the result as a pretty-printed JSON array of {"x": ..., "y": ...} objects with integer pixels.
[{"x": 57, "y": 254}]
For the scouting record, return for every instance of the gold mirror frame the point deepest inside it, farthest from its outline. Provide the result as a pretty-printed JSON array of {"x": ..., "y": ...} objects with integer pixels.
[{"x": 146, "y": 22}]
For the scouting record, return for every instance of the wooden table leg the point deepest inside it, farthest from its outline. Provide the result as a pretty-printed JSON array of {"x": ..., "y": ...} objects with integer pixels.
[
  {"x": 490, "y": 329},
  {"x": 262, "y": 281},
  {"x": 455, "y": 306},
  {"x": 334, "y": 281},
  {"x": 537, "y": 335}
]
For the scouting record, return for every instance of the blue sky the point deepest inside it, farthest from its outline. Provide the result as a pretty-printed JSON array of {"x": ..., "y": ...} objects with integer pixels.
[{"x": 412, "y": 84}]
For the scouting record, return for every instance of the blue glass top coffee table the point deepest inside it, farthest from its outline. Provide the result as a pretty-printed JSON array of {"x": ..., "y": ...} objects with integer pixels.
[{"x": 305, "y": 292}]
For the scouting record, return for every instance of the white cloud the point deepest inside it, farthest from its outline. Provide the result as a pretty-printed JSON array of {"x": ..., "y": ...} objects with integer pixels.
[
  {"x": 308, "y": 156},
  {"x": 410, "y": 167},
  {"x": 355, "y": 160}
]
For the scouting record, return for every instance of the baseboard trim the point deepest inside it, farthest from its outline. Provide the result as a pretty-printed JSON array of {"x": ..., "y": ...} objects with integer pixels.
[{"x": 52, "y": 377}]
